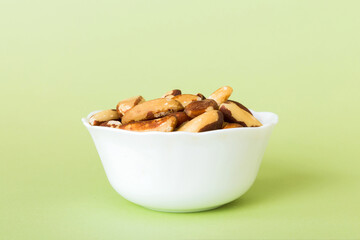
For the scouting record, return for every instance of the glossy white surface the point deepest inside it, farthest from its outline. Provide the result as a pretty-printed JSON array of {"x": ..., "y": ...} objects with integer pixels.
[{"x": 180, "y": 171}]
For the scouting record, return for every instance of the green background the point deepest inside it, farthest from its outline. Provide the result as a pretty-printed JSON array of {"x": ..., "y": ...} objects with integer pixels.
[{"x": 60, "y": 60}]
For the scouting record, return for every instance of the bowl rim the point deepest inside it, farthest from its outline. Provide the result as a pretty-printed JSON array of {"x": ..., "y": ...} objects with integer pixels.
[{"x": 272, "y": 122}]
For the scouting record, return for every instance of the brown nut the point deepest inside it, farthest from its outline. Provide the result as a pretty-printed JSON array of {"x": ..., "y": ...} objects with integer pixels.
[
  {"x": 165, "y": 124},
  {"x": 222, "y": 94},
  {"x": 181, "y": 125},
  {"x": 127, "y": 104},
  {"x": 201, "y": 96},
  {"x": 111, "y": 123},
  {"x": 103, "y": 116},
  {"x": 152, "y": 109},
  {"x": 172, "y": 93},
  {"x": 208, "y": 121},
  {"x": 181, "y": 118},
  {"x": 237, "y": 113},
  {"x": 185, "y": 99},
  {"x": 195, "y": 109},
  {"x": 232, "y": 125}
]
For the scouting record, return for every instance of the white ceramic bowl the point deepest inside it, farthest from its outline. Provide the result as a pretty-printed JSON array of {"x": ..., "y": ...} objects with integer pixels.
[{"x": 180, "y": 171}]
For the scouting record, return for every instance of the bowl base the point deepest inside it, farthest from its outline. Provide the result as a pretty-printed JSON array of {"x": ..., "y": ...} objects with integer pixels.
[{"x": 184, "y": 210}]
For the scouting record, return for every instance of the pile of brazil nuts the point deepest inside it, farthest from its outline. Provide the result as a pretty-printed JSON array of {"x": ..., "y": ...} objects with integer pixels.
[{"x": 175, "y": 111}]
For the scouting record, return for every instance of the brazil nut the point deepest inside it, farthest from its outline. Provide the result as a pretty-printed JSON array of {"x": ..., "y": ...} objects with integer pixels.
[
  {"x": 151, "y": 109},
  {"x": 221, "y": 95},
  {"x": 111, "y": 123},
  {"x": 127, "y": 104},
  {"x": 207, "y": 121},
  {"x": 181, "y": 118},
  {"x": 201, "y": 96},
  {"x": 103, "y": 116},
  {"x": 197, "y": 108},
  {"x": 175, "y": 111},
  {"x": 172, "y": 93},
  {"x": 185, "y": 99},
  {"x": 235, "y": 112},
  {"x": 164, "y": 124},
  {"x": 232, "y": 125}
]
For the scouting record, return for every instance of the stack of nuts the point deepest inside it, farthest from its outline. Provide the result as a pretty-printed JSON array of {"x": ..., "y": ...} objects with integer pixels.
[{"x": 177, "y": 112}]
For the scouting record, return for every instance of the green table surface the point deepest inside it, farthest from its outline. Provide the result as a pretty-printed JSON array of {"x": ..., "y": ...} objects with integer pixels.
[{"x": 61, "y": 60}]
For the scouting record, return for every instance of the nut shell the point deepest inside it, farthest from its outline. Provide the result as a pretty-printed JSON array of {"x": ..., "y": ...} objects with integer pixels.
[
  {"x": 221, "y": 95},
  {"x": 164, "y": 124},
  {"x": 208, "y": 121},
  {"x": 197, "y": 108},
  {"x": 103, "y": 116},
  {"x": 185, "y": 99},
  {"x": 125, "y": 105},
  {"x": 152, "y": 109},
  {"x": 235, "y": 112}
]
